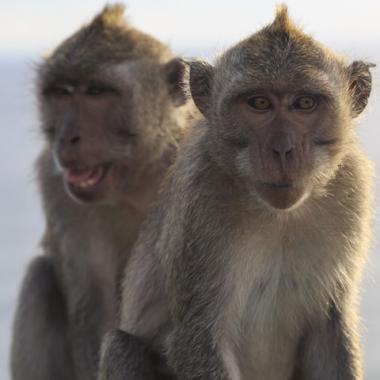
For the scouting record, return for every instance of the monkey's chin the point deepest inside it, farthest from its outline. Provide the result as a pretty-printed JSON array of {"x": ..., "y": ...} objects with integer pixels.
[{"x": 281, "y": 196}]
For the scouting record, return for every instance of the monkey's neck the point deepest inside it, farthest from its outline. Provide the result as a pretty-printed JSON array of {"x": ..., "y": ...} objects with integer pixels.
[{"x": 142, "y": 199}]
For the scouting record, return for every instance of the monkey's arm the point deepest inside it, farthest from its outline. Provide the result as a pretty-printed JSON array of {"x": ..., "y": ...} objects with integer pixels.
[
  {"x": 124, "y": 356},
  {"x": 174, "y": 284},
  {"x": 331, "y": 351},
  {"x": 197, "y": 285},
  {"x": 144, "y": 313},
  {"x": 193, "y": 354},
  {"x": 40, "y": 344},
  {"x": 186, "y": 344}
]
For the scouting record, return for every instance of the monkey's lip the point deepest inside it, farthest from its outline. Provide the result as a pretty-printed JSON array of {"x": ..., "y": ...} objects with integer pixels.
[
  {"x": 282, "y": 194},
  {"x": 278, "y": 185},
  {"x": 85, "y": 178}
]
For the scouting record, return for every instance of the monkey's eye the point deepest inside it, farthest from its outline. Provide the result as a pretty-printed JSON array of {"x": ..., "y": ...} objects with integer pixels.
[
  {"x": 259, "y": 103},
  {"x": 126, "y": 133},
  {"x": 96, "y": 90},
  {"x": 305, "y": 103},
  {"x": 59, "y": 90},
  {"x": 49, "y": 131}
]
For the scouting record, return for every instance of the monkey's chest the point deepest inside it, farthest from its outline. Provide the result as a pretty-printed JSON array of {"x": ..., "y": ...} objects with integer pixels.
[
  {"x": 271, "y": 302},
  {"x": 270, "y": 328}
]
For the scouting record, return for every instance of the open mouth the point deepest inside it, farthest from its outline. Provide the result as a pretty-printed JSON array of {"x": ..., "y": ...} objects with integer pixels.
[{"x": 86, "y": 178}]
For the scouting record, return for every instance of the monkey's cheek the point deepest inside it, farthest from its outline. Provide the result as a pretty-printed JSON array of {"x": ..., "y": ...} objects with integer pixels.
[{"x": 281, "y": 198}]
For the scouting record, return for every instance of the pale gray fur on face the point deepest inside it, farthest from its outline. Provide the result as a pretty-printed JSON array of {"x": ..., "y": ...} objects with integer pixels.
[
  {"x": 231, "y": 284},
  {"x": 70, "y": 293}
]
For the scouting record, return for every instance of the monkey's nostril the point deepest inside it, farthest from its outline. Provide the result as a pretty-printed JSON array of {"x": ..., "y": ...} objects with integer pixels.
[
  {"x": 74, "y": 140},
  {"x": 282, "y": 151}
]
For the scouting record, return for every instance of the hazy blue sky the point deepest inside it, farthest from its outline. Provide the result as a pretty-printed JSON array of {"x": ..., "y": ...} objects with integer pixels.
[{"x": 36, "y": 25}]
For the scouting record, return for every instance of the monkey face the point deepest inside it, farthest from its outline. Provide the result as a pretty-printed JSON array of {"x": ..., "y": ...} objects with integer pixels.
[
  {"x": 107, "y": 128},
  {"x": 283, "y": 134},
  {"x": 280, "y": 133},
  {"x": 279, "y": 106},
  {"x": 79, "y": 115}
]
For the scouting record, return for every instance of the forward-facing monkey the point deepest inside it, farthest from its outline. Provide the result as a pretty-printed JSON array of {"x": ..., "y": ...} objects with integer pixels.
[
  {"x": 248, "y": 267},
  {"x": 113, "y": 110}
]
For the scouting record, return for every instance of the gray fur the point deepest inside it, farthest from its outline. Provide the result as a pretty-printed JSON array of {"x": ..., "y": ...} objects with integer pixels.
[{"x": 222, "y": 283}]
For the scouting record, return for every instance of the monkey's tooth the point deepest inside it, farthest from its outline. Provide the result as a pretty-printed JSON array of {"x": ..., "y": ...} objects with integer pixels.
[
  {"x": 84, "y": 178},
  {"x": 78, "y": 176},
  {"x": 83, "y": 185}
]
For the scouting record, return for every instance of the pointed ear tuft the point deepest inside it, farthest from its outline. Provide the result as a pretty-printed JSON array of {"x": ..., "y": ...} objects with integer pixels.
[
  {"x": 360, "y": 85},
  {"x": 201, "y": 81},
  {"x": 175, "y": 73}
]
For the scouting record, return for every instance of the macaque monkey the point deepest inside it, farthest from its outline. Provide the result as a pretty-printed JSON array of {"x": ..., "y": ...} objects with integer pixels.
[
  {"x": 248, "y": 267},
  {"x": 113, "y": 111}
]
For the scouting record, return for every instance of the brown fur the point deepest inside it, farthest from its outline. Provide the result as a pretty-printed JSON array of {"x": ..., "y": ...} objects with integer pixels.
[{"x": 132, "y": 124}]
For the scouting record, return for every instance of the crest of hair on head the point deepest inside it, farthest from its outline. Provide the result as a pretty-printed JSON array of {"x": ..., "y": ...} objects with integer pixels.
[
  {"x": 111, "y": 16},
  {"x": 282, "y": 22}
]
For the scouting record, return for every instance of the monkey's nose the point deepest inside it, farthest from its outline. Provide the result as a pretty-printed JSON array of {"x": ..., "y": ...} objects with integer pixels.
[
  {"x": 282, "y": 149},
  {"x": 68, "y": 148},
  {"x": 282, "y": 152}
]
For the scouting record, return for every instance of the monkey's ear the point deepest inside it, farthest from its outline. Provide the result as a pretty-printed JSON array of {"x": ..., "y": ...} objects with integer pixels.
[
  {"x": 175, "y": 73},
  {"x": 360, "y": 85},
  {"x": 201, "y": 78}
]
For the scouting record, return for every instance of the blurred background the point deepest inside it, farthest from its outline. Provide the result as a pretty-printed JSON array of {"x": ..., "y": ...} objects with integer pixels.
[{"x": 28, "y": 29}]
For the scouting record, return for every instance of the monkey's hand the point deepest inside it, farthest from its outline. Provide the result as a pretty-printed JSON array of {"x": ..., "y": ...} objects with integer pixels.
[
  {"x": 193, "y": 355},
  {"x": 124, "y": 356}
]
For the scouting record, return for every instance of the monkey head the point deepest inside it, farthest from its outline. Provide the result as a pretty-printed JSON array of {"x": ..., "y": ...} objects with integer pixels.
[
  {"x": 108, "y": 98},
  {"x": 279, "y": 107}
]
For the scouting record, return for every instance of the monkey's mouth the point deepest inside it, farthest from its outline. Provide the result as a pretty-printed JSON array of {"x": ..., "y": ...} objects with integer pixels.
[
  {"x": 279, "y": 185},
  {"x": 85, "y": 179},
  {"x": 280, "y": 195}
]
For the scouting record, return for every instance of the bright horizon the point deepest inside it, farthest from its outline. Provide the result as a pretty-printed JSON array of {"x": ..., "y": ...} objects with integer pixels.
[{"x": 38, "y": 25}]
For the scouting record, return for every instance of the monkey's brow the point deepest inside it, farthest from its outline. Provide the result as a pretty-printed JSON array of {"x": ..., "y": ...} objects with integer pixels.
[
  {"x": 98, "y": 82},
  {"x": 61, "y": 81},
  {"x": 299, "y": 90},
  {"x": 318, "y": 84},
  {"x": 104, "y": 83}
]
